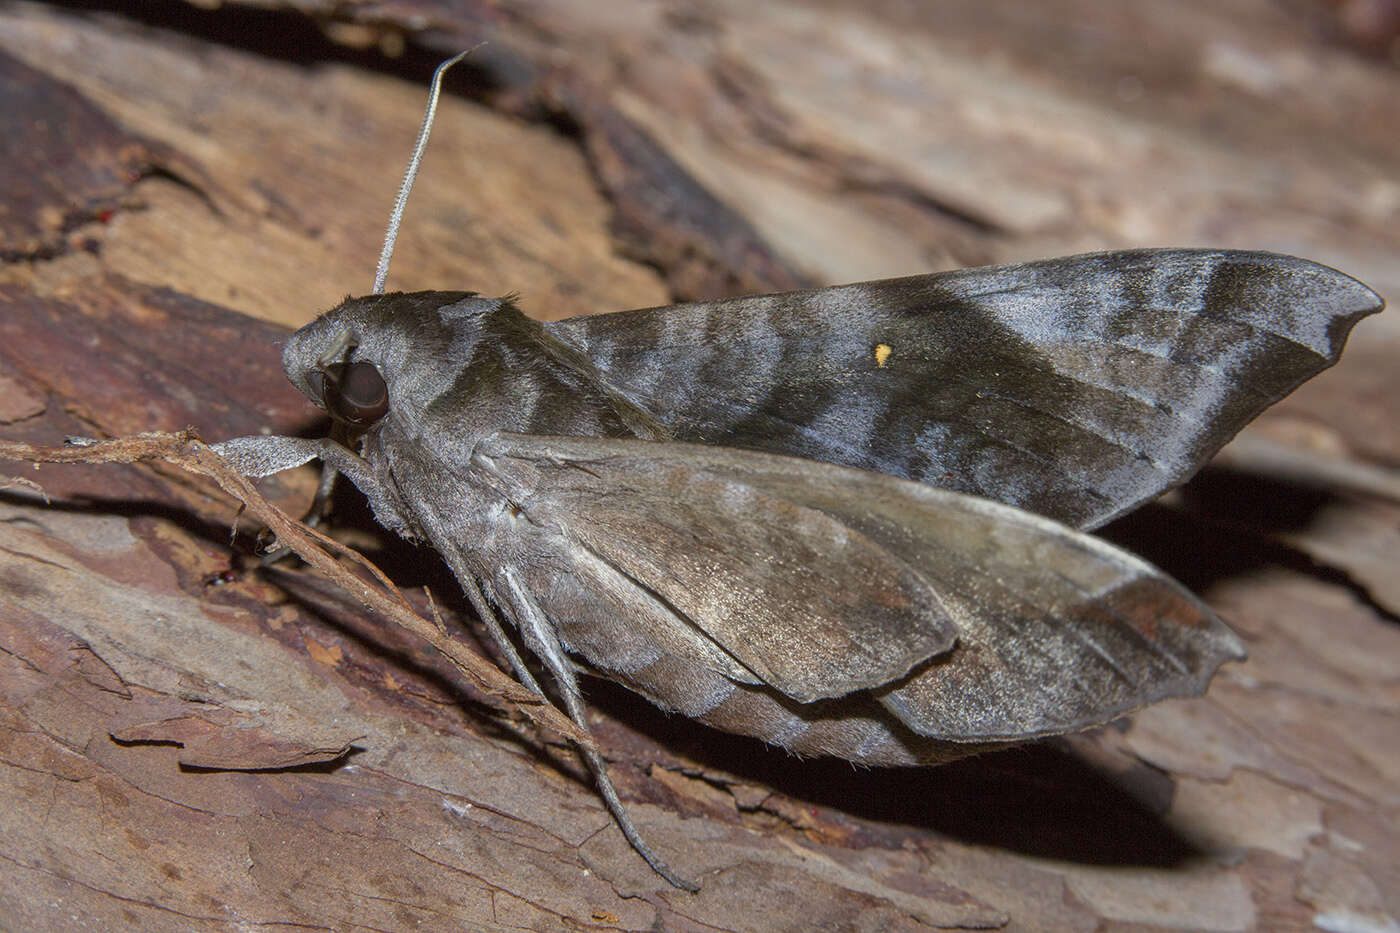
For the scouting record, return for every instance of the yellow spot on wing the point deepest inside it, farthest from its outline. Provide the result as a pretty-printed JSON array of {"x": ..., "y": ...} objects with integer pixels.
[{"x": 882, "y": 353}]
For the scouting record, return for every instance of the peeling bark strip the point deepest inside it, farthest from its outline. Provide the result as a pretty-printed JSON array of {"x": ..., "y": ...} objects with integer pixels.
[{"x": 382, "y": 597}]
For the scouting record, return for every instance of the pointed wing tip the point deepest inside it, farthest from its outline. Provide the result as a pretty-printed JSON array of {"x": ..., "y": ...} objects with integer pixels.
[
  {"x": 1235, "y": 649},
  {"x": 1345, "y": 296},
  {"x": 1307, "y": 302},
  {"x": 1228, "y": 649},
  {"x": 1352, "y": 298},
  {"x": 1348, "y": 301}
]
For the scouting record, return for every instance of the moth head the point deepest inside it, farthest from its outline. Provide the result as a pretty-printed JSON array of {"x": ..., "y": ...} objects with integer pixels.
[
  {"x": 326, "y": 362},
  {"x": 381, "y": 353}
]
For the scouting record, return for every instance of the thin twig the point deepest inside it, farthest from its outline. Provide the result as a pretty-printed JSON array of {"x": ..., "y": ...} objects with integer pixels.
[{"x": 186, "y": 451}]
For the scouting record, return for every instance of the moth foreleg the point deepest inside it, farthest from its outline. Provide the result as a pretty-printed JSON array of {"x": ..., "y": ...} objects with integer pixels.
[
  {"x": 540, "y": 636},
  {"x": 320, "y": 509},
  {"x": 263, "y": 455},
  {"x": 321, "y": 505},
  {"x": 315, "y": 516}
]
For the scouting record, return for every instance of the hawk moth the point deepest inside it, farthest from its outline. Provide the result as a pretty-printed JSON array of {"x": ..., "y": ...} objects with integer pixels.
[
  {"x": 751, "y": 513},
  {"x": 849, "y": 521}
]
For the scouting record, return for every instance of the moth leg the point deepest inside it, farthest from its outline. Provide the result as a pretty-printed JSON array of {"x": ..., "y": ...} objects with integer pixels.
[
  {"x": 541, "y": 638},
  {"x": 488, "y": 618},
  {"x": 321, "y": 505},
  {"x": 320, "y": 508},
  {"x": 315, "y": 516},
  {"x": 264, "y": 455}
]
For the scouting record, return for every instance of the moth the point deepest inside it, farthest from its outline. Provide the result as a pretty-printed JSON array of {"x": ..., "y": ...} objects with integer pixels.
[{"x": 848, "y": 521}]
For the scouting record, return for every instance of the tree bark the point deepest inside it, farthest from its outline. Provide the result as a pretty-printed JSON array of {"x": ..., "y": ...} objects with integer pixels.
[{"x": 190, "y": 741}]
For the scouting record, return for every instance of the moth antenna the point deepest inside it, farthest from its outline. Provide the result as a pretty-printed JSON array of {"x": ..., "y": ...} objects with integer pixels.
[{"x": 411, "y": 173}]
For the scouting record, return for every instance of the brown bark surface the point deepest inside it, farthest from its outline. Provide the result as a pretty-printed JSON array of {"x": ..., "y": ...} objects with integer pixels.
[{"x": 190, "y": 742}]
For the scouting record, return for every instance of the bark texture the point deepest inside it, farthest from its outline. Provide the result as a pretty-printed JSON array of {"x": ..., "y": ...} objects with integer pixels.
[{"x": 191, "y": 742}]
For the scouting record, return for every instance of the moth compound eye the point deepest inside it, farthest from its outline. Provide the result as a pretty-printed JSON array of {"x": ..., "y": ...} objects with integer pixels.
[{"x": 355, "y": 394}]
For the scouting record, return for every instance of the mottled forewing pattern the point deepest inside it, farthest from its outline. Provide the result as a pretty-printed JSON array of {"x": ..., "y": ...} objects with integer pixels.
[{"x": 1076, "y": 388}]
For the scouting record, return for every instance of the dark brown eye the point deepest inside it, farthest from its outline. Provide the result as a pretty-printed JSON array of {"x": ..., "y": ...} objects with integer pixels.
[{"x": 355, "y": 394}]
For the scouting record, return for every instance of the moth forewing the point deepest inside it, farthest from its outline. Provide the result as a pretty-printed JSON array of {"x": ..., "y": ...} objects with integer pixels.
[{"x": 1076, "y": 387}]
